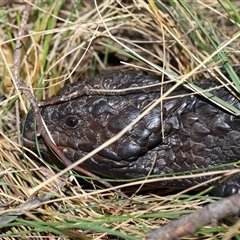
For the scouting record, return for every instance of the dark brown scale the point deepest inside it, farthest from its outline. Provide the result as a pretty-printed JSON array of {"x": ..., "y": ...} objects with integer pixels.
[{"x": 197, "y": 133}]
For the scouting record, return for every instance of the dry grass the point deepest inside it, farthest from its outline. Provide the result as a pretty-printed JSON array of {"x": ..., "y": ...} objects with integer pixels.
[{"x": 69, "y": 40}]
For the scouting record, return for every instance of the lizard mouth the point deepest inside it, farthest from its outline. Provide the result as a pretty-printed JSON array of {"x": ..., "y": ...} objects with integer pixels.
[
  {"x": 35, "y": 145},
  {"x": 39, "y": 144}
]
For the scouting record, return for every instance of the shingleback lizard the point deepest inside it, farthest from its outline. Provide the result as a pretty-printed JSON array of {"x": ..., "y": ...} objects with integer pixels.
[{"x": 197, "y": 133}]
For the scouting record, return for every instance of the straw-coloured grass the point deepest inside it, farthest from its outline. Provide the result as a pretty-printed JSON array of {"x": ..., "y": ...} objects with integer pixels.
[{"x": 75, "y": 40}]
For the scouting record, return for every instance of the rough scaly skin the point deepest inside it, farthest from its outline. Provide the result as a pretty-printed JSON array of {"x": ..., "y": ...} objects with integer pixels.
[{"x": 198, "y": 134}]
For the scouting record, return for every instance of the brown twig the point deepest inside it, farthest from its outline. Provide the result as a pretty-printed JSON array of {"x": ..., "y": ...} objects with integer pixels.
[
  {"x": 35, "y": 105},
  {"x": 191, "y": 223},
  {"x": 94, "y": 91}
]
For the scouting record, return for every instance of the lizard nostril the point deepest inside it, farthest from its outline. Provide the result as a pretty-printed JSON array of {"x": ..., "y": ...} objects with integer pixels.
[{"x": 29, "y": 127}]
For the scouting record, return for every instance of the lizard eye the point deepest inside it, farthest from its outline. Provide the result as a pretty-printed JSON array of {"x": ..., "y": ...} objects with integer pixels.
[{"x": 72, "y": 121}]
